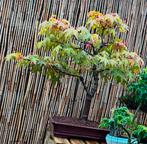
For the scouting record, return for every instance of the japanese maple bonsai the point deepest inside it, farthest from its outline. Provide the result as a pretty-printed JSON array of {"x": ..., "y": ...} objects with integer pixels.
[
  {"x": 122, "y": 122},
  {"x": 94, "y": 48},
  {"x": 136, "y": 93}
]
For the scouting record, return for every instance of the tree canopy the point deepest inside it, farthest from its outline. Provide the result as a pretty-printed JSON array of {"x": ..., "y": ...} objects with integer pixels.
[{"x": 72, "y": 51}]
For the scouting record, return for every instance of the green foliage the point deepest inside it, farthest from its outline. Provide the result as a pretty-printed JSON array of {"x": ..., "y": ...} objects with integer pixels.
[
  {"x": 106, "y": 23},
  {"x": 120, "y": 117},
  {"x": 106, "y": 123},
  {"x": 137, "y": 90},
  {"x": 123, "y": 120},
  {"x": 140, "y": 132},
  {"x": 93, "y": 45}
]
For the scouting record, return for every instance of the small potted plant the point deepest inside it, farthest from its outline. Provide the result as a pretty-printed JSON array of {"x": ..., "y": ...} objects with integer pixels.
[
  {"x": 136, "y": 94},
  {"x": 121, "y": 124}
]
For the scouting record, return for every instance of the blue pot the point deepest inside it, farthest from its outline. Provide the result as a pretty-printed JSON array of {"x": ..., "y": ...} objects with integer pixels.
[{"x": 118, "y": 140}]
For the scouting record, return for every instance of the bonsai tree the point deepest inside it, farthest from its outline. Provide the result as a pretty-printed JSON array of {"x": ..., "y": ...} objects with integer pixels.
[
  {"x": 136, "y": 94},
  {"x": 124, "y": 121},
  {"x": 93, "y": 48}
]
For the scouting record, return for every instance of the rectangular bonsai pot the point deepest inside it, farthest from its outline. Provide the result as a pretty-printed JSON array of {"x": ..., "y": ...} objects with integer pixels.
[{"x": 75, "y": 128}]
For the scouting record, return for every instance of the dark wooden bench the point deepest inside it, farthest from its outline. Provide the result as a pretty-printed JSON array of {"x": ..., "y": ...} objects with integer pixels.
[{"x": 68, "y": 128}]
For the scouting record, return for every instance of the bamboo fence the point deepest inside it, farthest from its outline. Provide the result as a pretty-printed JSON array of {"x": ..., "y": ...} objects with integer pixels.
[{"x": 27, "y": 100}]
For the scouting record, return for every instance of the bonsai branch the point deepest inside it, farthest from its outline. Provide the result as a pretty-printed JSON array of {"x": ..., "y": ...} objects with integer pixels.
[
  {"x": 82, "y": 48},
  {"x": 64, "y": 71},
  {"x": 95, "y": 78},
  {"x": 84, "y": 85},
  {"x": 74, "y": 75},
  {"x": 127, "y": 132}
]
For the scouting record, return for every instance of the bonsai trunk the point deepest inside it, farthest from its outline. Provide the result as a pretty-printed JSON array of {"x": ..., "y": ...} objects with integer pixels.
[
  {"x": 90, "y": 94},
  {"x": 86, "y": 107}
]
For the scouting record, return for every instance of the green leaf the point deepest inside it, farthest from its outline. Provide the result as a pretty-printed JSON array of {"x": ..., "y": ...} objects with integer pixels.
[
  {"x": 43, "y": 28},
  {"x": 83, "y": 34},
  {"x": 105, "y": 123},
  {"x": 95, "y": 40},
  {"x": 70, "y": 32},
  {"x": 36, "y": 68},
  {"x": 39, "y": 45},
  {"x": 33, "y": 58},
  {"x": 56, "y": 51},
  {"x": 10, "y": 57},
  {"x": 13, "y": 56}
]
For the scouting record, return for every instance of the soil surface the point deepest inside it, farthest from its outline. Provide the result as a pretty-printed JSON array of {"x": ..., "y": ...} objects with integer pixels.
[{"x": 74, "y": 121}]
